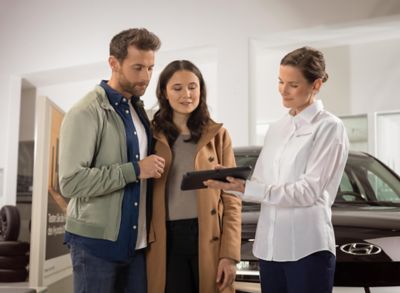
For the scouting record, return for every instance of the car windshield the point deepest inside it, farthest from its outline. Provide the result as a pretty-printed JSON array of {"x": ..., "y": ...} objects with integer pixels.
[{"x": 365, "y": 181}]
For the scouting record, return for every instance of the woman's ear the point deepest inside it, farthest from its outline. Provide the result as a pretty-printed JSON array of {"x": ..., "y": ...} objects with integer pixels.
[{"x": 316, "y": 86}]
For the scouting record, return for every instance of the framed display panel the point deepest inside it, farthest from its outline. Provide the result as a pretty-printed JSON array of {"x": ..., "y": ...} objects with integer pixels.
[
  {"x": 49, "y": 257},
  {"x": 387, "y": 133},
  {"x": 357, "y": 131}
]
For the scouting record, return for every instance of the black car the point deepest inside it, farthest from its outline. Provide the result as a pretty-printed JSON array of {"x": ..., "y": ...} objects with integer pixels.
[{"x": 366, "y": 219}]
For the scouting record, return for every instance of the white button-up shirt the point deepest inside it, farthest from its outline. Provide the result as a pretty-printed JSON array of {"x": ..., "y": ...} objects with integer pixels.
[
  {"x": 141, "y": 241},
  {"x": 296, "y": 179}
]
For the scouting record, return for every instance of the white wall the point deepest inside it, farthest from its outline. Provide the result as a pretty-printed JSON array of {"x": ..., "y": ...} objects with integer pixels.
[
  {"x": 10, "y": 137},
  {"x": 44, "y": 36},
  {"x": 3, "y": 119},
  {"x": 336, "y": 92},
  {"x": 375, "y": 75},
  {"x": 66, "y": 94}
]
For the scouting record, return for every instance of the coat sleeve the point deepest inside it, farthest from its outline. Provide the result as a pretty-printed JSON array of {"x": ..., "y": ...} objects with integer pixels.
[
  {"x": 79, "y": 136},
  {"x": 232, "y": 205}
]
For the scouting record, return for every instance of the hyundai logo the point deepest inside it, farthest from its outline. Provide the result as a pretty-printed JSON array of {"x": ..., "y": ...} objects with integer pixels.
[{"x": 360, "y": 249}]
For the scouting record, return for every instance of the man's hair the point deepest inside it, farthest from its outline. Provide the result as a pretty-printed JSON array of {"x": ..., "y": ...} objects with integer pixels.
[{"x": 141, "y": 38}]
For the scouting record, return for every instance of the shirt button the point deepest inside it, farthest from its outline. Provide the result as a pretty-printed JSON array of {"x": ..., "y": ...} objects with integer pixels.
[
  {"x": 137, "y": 156},
  {"x": 134, "y": 132},
  {"x": 127, "y": 111},
  {"x": 124, "y": 100},
  {"x": 136, "y": 204},
  {"x": 116, "y": 103},
  {"x": 134, "y": 227}
]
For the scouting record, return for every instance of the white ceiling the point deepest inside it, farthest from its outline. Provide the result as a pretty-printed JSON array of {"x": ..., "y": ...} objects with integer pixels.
[
  {"x": 379, "y": 29},
  {"x": 322, "y": 36}
]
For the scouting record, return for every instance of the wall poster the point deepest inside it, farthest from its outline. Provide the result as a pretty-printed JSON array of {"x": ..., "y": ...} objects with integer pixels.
[{"x": 49, "y": 257}]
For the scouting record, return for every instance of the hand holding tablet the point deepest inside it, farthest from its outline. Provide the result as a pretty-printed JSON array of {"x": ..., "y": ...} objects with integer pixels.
[{"x": 195, "y": 179}]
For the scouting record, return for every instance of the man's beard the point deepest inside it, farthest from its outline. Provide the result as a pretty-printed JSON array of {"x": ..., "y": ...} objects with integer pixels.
[{"x": 136, "y": 89}]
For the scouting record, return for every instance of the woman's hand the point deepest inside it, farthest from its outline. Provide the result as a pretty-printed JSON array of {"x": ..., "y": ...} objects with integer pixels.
[
  {"x": 226, "y": 273},
  {"x": 233, "y": 184}
]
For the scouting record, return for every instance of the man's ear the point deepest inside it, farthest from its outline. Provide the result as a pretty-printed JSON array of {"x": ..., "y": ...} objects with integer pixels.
[{"x": 114, "y": 63}]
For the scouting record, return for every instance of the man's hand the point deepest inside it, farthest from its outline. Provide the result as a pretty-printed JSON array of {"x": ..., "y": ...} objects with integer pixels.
[
  {"x": 151, "y": 167},
  {"x": 226, "y": 273}
]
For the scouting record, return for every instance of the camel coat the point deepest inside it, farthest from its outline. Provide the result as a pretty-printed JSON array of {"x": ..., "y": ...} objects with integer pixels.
[{"x": 219, "y": 214}]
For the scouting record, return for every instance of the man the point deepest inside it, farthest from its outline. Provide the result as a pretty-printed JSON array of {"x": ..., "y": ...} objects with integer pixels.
[{"x": 105, "y": 145}]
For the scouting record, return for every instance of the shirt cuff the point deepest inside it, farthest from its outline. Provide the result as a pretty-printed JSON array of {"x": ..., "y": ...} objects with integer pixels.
[
  {"x": 254, "y": 192},
  {"x": 236, "y": 193}
]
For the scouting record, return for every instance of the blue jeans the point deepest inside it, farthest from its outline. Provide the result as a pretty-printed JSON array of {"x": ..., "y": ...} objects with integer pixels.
[
  {"x": 96, "y": 275},
  {"x": 311, "y": 274}
]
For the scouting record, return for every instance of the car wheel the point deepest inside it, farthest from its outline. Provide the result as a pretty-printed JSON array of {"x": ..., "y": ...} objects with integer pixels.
[
  {"x": 9, "y": 223},
  {"x": 14, "y": 262},
  {"x": 13, "y": 275},
  {"x": 13, "y": 248}
]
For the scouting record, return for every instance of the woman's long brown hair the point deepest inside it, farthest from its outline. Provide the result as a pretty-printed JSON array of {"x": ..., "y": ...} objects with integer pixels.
[{"x": 162, "y": 121}]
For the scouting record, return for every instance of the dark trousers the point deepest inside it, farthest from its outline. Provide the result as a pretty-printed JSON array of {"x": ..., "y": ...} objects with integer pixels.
[
  {"x": 96, "y": 275},
  {"x": 182, "y": 256},
  {"x": 311, "y": 274}
]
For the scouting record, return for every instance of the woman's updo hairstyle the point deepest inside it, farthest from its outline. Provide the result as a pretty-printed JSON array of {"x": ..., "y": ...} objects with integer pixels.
[{"x": 309, "y": 61}]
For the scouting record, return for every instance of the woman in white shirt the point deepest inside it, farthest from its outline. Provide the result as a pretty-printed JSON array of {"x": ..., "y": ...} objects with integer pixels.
[{"x": 295, "y": 180}]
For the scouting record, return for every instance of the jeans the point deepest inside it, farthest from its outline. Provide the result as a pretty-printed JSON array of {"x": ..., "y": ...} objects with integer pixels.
[
  {"x": 96, "y": 275},
  {"x": 311, "y": 274}
]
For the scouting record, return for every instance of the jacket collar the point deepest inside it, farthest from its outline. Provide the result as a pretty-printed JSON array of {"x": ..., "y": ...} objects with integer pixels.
[
  {"x": 209, "y": 132},
  {"x": 160, "y": 136},
  {"x": 102, "y": 98}
]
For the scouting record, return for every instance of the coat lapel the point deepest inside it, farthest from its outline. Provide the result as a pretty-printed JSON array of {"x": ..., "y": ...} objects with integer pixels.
[{"x": 209, "y": 132}]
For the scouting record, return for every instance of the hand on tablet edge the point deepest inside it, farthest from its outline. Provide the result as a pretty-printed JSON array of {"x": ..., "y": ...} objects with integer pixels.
[{"x": 233, "y": 184}]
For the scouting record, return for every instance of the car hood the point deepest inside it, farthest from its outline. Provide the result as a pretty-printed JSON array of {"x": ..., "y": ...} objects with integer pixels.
[
  {"x": 375, "y": 217},
  {"x": 363, "y": 216}
]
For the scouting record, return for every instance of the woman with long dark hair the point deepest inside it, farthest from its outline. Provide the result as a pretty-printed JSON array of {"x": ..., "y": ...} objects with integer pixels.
[{"x": 194, "y": 240}]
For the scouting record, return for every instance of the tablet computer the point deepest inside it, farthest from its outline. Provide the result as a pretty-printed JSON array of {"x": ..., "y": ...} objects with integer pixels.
[{"x": 194, "y": 180}]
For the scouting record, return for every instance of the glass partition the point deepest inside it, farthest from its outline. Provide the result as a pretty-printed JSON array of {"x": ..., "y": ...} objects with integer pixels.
[{"x": 388, "y": 138}]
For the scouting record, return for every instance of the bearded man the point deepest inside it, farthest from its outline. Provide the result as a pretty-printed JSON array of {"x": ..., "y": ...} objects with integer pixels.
[{"x": 104, "y": 163}]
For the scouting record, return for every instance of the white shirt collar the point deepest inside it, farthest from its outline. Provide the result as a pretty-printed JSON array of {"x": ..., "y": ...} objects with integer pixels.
[{"x": 308, "y": 114}]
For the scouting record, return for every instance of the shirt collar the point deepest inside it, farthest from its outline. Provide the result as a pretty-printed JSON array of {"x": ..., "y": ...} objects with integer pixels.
[
  {"x": 114, "y": 97},
  {"x": 308, "y": 114}
]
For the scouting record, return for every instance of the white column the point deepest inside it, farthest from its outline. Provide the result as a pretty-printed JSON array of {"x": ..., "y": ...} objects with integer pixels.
[{"x": 10, "y": 141}]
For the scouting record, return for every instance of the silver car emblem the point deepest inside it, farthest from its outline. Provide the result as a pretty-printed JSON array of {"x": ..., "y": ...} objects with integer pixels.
[{"x": 360, "y": 249}]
